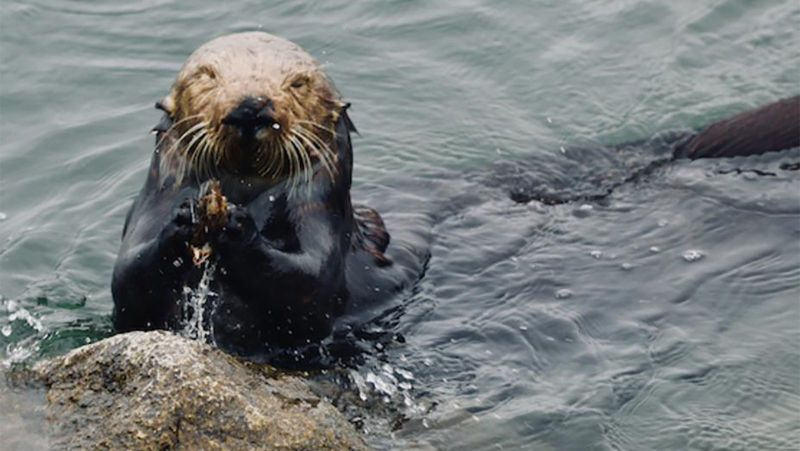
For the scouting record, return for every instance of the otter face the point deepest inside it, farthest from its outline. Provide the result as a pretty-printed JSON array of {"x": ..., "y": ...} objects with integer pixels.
[{"x": 255, "y": 104}]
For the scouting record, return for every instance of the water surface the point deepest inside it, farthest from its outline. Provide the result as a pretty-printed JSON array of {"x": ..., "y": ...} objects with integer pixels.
[{"x": 665, "y": 317}]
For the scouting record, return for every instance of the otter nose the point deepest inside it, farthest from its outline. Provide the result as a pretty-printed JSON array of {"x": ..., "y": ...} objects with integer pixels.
[{"x": 251, "y": 115}]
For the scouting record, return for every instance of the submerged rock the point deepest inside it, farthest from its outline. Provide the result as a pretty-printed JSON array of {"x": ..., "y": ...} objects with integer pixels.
[{"x": 155, "y": 390}]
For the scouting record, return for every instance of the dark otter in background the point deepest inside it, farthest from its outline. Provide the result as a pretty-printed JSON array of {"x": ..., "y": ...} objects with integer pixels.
[
  {"x": 770, "y": 128},
  {"x": 253, "y": 127}
]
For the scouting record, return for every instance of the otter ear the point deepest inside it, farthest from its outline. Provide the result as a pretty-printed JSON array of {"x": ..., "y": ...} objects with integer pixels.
[
  {"x": 166, "y": 105},
  {"x": 166, "y": 121},
  {"x": 349, "y": 123}
]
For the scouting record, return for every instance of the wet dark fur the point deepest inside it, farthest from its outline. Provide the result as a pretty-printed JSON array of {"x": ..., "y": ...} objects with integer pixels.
[
  {"x": 269, "y": 293},
  {"x": 770, "y": 128}
]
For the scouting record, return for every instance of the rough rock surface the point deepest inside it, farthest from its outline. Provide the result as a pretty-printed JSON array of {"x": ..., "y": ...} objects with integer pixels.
[{"x": 156, "y": 390}]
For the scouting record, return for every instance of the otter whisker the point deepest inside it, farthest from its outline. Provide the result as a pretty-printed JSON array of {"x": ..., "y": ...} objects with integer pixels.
[
  {"x": 295, "y": 167},
  {"x": 187, "y": 133},
  {"x": 276, "y": 160},
  {"x": 266, "y": 166},
  {"x": 194, "y": 153},
  {"x": 308, "y": 167},
  {"x": 172, "y": 127},
  {"x": 321, "y": 145},
  {"x": 183, "y": 160},
  {"x": 196, "y": 137},
  {"x": 321, "y": 153},
  {"x": 209, "y": 157},
  {"x": 301, "y": 170},
  {"x": 288, "y": 157},
  {"x": 321, "y": 127},
  {"x": 186, "y": 119},
  {"x": 204, "y": 158},
  {"x": 215, "y": 147},
  {"x": 322, "y": 150}
]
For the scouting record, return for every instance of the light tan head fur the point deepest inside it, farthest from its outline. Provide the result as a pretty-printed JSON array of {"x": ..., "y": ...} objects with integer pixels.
[{"x": 218, "y": 76}]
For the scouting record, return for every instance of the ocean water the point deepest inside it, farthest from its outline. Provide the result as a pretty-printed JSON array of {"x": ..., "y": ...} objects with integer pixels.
[{"x": 666, "y": 316}]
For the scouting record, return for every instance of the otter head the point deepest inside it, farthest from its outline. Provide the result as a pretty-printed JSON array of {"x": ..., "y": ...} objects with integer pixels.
[{"x": 253, "y": 104}]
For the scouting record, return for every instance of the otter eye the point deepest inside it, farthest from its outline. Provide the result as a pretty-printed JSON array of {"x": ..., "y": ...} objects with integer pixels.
[
  {"x": 207, "y": 72},
  {"x": 299, "y": 83}
]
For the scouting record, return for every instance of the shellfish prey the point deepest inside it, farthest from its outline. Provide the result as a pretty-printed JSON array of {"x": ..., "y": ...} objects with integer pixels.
[{"x": 210, "y": 216}]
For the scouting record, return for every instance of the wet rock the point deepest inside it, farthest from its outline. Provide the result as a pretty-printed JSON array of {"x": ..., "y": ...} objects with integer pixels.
[{"x": 156, "y": 390}]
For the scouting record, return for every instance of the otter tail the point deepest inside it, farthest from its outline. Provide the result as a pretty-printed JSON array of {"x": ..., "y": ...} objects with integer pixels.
[{"x": 770, "y": 128}]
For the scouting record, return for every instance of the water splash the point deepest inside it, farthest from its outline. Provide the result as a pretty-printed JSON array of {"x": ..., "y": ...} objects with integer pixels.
[
  {"x": 18, "y": 312},
  {"x": 390, "y": 385},
  {"x": 22, "y": 350},
  {"x": 199, "y": 304}
]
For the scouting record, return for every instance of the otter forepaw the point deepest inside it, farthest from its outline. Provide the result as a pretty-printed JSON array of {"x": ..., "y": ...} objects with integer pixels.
[
  {"x": 179, "y": 230},
  {"x": 240, "y": 227}
]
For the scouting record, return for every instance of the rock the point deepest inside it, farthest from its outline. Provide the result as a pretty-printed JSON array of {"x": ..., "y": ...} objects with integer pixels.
[{"x": 155, "y": 390}]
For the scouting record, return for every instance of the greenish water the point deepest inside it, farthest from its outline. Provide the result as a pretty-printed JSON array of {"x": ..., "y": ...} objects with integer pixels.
[{"x": 535, "y": 327}]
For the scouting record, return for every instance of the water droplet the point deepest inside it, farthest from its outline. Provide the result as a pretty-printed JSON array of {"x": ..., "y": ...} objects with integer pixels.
[
  {"x": 6, "y": 330},
  {"x": 655, "y": 249},
  {"x": 523, "y": 328},
  {"x": 272, "y": 198},
  {"x": 276, "y": 126},
  {"x": 692, "y": 255},
  {"x": 562, "y": 149},
  {"x": 583, "y": 211},
  {"x": 626, "y": 266},
  {"x": 596, "y": 254},
  {"x": 549, "y": 120},
  {"x": 12, "y": 306},
  {"x": 563, "y": 293}
]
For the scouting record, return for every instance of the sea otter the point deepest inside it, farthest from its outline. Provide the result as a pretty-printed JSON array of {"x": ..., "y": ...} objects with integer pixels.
[
  {"x": 769, "y": 128},
  {"x": 254, "y": 130}
]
